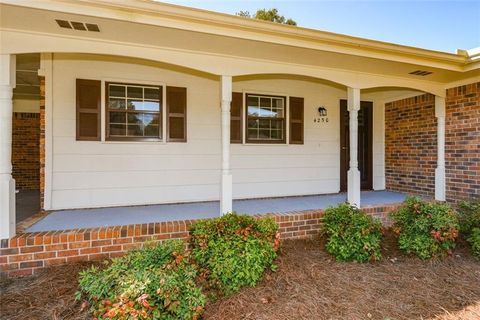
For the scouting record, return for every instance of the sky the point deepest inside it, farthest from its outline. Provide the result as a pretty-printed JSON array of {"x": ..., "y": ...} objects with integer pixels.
[{"x": 436, "y": 25}]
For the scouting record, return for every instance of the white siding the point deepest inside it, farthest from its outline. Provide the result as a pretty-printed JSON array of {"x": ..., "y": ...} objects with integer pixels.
[{"x": 96, "y": 174}]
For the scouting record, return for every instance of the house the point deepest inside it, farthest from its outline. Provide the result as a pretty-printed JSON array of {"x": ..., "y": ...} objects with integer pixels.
[{"x": 140, "y": 102}]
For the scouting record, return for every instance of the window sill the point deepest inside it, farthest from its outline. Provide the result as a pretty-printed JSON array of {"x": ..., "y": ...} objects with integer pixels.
[{"x": 159, "y": 142}]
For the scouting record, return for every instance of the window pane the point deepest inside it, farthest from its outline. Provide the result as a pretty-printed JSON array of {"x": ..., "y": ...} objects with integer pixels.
[
  {"x": 152, "y": 131},
  {"x": 278, "y": 103},
  {"x": 150, "y": 118},
  {"x": 135, "y": 92},
  {"x": 135, "y": 105},
  {"x": 276, "y": 135},
  {"x": 135, "y": 130},
  {"x": 277, "y": 124},
  {"x": 151, "y": 106},
  {"x": 263, "y": 134},
  {"x": 116, "y": 91},
  {"x": 152, "y": 93},
  {"x": 265, "y": 103},
  {"x": 117, "y": 117},
  {"x": 264, "y": 123},
  {"x": 253, "y": 123},
  {"x": 135, "y": 118},
  {"x": 116, "y": 103},
  {"x": 253, "y": 134},
  {"x": 252, "y": 101},
  {"x": 118, "y": 129},
  {"x": 253, "y": 111}
]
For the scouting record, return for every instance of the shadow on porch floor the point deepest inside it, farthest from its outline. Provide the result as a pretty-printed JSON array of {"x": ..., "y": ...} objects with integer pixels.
[{"x": 114, "y": 216}]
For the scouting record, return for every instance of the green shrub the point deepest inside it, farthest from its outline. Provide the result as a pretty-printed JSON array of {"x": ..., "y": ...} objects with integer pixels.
[
  {"x": 469, "y": 213},
  {"x": 234, "y": 250},
  {"x": 157, "y": 282},
  {"x": 351, "y": 234},
  {"x": 425, "y": 229},
  {"x": 474, "y": 240}
]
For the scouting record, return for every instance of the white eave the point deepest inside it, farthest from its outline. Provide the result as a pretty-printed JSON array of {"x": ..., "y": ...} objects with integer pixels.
[{"x": 180, "y": 17}]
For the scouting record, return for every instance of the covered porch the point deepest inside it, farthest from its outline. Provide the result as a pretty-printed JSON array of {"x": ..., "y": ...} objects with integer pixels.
[
  {"x": 208, "y": 163},
  {"x": 117, "y": 216}
]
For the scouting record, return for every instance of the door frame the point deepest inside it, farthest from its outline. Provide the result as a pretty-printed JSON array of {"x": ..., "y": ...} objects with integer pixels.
[{"x": 344, "y": 151}]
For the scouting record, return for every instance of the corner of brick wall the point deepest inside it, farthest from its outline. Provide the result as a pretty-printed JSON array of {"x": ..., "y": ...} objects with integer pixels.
[
  {"x": 411, "y": 145},
  {"x": 25, "y": 152},
  {"x": 25, "y": 254},
  {"x": 462, "y": 142}
]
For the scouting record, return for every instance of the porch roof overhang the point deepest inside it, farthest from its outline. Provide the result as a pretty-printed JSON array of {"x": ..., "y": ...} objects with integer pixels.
[{"x": 219, "y": 44}]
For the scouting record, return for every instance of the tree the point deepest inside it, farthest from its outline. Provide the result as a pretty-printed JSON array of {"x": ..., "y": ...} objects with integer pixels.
[{"x": 267, "y": 15}]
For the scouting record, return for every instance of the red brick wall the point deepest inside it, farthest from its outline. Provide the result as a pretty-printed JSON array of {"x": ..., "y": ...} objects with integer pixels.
[
  {"x": 462, "y": 142},
  {"x": 411, "y": 145},
  {"x": 25, "y": 150},
  {"x": 27, "y": 253}
]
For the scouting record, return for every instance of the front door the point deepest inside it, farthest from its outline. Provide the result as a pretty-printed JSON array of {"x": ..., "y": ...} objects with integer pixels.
[{"x": 365, "y": 127}]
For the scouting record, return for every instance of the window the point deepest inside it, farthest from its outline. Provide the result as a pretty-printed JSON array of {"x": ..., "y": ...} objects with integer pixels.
[
  {"x": 265, "y": 119},
  {"x": 133, "y": 112}
]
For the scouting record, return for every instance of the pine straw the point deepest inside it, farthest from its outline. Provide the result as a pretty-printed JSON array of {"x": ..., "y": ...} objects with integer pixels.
[{"x": 309, "y": 284}]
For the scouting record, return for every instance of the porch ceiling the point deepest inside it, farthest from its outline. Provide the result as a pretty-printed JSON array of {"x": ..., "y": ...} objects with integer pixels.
[
  {"x": 126, "y": 30},
  {"x": 92, "y": 218}
]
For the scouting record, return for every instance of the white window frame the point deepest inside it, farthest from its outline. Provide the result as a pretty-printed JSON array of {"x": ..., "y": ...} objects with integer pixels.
[
  {"x": 244, "y": 117},
  {"x": 163, "y": 140}
]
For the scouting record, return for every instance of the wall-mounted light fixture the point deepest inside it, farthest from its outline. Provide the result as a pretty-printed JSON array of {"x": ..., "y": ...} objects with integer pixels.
[{"x": 322, "y": 111}]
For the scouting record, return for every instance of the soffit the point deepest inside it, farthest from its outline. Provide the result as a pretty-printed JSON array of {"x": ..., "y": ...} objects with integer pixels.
[{"x": 139, "y": 34}]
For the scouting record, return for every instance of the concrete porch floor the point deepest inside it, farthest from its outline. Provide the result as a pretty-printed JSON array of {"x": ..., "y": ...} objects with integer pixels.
[{"x": 114, "y": 216}]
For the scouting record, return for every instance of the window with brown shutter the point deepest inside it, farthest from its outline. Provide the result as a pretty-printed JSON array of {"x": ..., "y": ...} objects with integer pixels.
[
  {"x": 176, "y": 114},
  {"x": 236, "y": 117},
  {"x": 296, "y": 120},
  {"x": 88, "y": 109}
]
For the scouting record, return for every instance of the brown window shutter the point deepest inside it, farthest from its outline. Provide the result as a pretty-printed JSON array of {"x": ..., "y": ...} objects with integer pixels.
[
  {"x": 176, "y": 114},
  {"x": 296, "y": 120},
  {"x": 88, "y": 109},
  {"x": 236, "y": 117}
]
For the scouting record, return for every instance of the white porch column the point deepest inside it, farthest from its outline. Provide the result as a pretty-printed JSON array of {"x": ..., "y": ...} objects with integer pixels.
[
  {"x": 353, "y": 187},
  {"x": 440, "y": 170},
  {"x": 226, "y": 184},
  {"x": 7, "y": 183}
]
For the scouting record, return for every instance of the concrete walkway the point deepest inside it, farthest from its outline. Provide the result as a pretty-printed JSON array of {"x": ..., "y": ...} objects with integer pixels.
[{"x": 114, "y": 216}]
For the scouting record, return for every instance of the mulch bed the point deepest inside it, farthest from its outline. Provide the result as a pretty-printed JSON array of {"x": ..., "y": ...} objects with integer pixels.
[{"x": 309, "y": 284}]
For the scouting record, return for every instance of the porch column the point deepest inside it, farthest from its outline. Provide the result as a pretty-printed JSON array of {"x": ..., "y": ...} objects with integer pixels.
[
  {"x": 440, "y": 170},
  {"x": 7, "y": 183},
  {"x": 226, "y": 183},
  {"x": 353, "y": 187}
]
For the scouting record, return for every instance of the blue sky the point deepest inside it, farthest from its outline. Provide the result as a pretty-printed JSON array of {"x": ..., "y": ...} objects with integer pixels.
[{"x": 437, "y": 25}]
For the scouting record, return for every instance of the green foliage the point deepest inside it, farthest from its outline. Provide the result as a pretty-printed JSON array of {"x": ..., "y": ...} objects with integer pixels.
[
  {"x": 469, "y": 213},
  {"x": 234, "y": 250},
  {"x": 474, "y": 240},
  {"x": 157, "y": 282},
  {"x": 425, "y": 229},
  {"x": 267, "y": 15},
  {"x": 351, "y": 234}
]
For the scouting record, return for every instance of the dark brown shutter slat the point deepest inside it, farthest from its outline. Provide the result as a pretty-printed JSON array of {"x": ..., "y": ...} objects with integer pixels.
[
  {"x": 88, "y": 94},
  {"x": 176, "y": 114},
  {"x": 296, "y": 120},
  {"x": 236, "y": 117}
]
